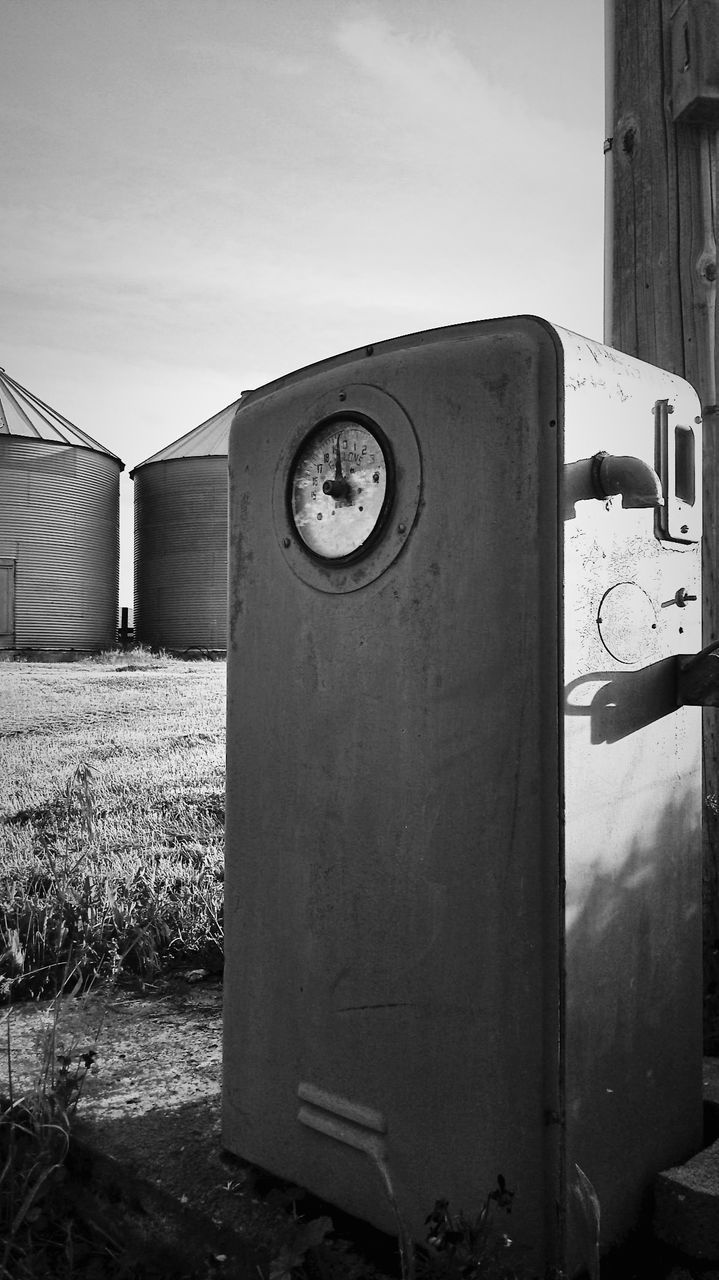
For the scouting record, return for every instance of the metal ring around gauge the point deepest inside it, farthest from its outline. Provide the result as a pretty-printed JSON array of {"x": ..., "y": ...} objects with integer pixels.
[{"x": 378, "y": 407}]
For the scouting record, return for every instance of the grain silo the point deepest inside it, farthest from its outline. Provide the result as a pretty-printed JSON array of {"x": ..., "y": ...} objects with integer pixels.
[
  {"x": 59, "y": 529},
  {"x": 181, "y": 540}
]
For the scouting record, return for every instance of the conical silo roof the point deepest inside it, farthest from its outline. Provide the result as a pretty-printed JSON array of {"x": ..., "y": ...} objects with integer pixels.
[
  {"x": 209, "y": 440},
  {"x": 23, "y": 414}
]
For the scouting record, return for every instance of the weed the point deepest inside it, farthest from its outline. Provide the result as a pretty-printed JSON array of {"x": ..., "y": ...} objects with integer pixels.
[
  {"x": 300, "y": 1239},
  {"x": 291, "y": 1235},
  {"x": 107, "y": 909},
  {"x": 469, "y": 1248},
  {"x": 33, "y": 1146},
  {"x": 35, "y": 1230},
  {"x": 135, "y": 657}
]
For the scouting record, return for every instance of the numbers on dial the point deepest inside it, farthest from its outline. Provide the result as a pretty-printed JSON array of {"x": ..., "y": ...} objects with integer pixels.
[{"x": 339, "y": 488}]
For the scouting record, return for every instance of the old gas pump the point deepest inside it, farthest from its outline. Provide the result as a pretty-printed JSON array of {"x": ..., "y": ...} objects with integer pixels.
[{"x": 463, "y": 788}]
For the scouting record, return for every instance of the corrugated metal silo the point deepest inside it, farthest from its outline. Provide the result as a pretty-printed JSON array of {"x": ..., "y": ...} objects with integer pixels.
[
  {"x": 181, "y": 540},
  {"x": 59, "y": 529}
]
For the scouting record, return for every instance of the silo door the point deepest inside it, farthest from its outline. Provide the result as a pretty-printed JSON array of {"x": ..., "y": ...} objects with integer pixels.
[{"x": 7, "y": 604}]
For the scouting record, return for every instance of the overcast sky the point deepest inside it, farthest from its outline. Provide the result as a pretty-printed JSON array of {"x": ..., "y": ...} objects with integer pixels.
[{"x": 201, "y": 195}]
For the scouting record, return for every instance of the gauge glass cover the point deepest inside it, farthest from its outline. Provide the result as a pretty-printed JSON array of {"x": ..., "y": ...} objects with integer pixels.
[{"x": 339, "y": 488}]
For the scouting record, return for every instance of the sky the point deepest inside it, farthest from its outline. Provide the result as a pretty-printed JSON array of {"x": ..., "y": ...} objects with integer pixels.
[{"x": 201, "y": 195}]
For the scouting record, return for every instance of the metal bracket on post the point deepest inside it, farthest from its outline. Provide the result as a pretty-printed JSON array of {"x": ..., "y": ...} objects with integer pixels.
[
  {"x": 695, "y": 62},
  {"x": 698, "y": 678}
]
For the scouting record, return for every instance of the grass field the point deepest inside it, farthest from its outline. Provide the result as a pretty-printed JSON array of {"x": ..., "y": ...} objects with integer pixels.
[{"x": 111, "y": 817}]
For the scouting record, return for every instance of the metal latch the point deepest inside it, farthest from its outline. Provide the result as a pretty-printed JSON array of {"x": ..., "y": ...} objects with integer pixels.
[
  {"x": 698, "y": 678},
  {"x": 695, "y": 62}
]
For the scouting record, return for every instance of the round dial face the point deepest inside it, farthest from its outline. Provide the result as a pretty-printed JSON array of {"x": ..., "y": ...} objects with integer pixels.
[{"x": 339, "y": 488}]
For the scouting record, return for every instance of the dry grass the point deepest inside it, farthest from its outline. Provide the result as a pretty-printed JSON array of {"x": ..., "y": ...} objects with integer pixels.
[{"x": 111, "y": 817}]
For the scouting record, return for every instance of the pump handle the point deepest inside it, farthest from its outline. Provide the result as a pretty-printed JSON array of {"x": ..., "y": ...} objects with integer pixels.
[{"x": 698, "y": 677}]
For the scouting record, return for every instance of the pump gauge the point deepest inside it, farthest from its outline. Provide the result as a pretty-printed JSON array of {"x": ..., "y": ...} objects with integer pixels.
[
  {"x": 340, "y": 487},
  {"x": 346, "y": 490}
]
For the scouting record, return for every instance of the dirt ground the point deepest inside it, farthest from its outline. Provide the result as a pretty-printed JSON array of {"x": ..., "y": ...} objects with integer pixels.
[
  {"x": 153, "y": 1100},
  {"x": 152, "y": 1104}
]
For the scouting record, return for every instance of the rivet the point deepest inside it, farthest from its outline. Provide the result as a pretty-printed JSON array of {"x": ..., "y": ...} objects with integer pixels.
[
  {"x": 285, "y": 543},
  {"x": 343, "y": 395},
  {"x": 401, "y": 528}
]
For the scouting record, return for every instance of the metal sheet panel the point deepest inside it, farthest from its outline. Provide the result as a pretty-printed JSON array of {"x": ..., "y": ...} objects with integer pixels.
[
  {"x": 23, "y": 414},
  {"x": 392, "y": 798},
  {"x": 59, "y": 518},
  {"x": 181, "y": 553},
  {"x": 7, "y": 603},
  {"x": 210, "y": 439},
  {"x": 632, "y": 783}
]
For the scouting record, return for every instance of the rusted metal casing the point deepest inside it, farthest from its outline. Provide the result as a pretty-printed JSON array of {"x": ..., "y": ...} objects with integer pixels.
[
  {"x": 463, "y": 869},
  {"x": 59, "y": 545}
]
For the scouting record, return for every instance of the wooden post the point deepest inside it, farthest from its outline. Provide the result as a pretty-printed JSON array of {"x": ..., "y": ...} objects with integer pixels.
[{"x": 662, "y": 182}]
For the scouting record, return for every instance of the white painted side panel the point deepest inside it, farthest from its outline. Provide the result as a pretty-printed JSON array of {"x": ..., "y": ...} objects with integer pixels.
[{"x": 632, "y": 782}]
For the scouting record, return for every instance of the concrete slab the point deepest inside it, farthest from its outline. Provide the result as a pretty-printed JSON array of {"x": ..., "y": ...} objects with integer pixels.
[{"x": 686, "y": 1206}]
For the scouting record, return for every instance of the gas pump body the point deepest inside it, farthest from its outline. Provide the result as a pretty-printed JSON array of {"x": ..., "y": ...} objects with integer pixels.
[{"x": 463, "y": 808}]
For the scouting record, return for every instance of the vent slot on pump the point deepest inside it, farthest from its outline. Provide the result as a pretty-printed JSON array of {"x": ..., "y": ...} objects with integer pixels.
[{"x": 685, "y": 465}]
